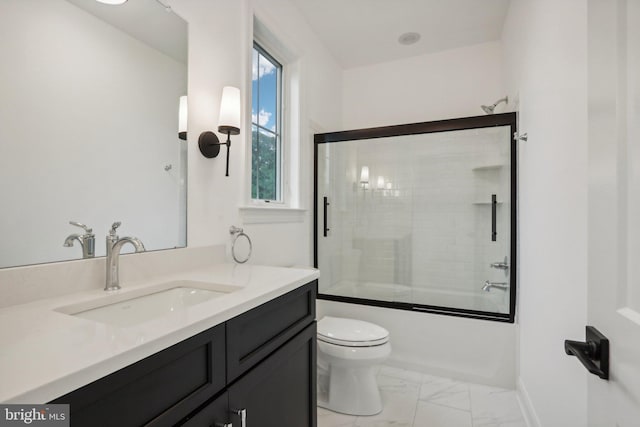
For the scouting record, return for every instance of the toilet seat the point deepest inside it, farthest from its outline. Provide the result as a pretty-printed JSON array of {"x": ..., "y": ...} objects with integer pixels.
[{"x": 351, "y": 332}]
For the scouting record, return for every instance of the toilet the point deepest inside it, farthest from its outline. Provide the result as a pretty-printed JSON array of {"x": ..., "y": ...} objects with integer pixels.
[{"x": 348, "y": 349}]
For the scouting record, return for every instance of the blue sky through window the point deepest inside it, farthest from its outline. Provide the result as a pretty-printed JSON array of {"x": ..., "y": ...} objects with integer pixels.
[
  {"x": 265, "y": 144},
  {"x": 264, "y": 87}
]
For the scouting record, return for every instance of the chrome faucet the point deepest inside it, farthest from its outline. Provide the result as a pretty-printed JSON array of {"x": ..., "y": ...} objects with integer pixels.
[
  {"x": 87, "y": 240},
  {"x": 498, "y": 285},
  {"x": 114, "y": 246}
]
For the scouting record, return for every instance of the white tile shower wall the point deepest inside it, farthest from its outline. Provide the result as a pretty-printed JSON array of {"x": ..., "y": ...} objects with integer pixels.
[{"x": 431, "y": 229}]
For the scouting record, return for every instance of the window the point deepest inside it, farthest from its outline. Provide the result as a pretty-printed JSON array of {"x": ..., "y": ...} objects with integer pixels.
[{"x": 266, "y": 127}]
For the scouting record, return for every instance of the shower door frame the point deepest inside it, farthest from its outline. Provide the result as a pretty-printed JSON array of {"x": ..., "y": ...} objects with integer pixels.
[{"x": 464, "y": 123}]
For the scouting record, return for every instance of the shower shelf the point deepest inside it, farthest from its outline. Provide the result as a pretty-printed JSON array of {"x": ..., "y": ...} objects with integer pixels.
[{"x": 487, "y": 168}]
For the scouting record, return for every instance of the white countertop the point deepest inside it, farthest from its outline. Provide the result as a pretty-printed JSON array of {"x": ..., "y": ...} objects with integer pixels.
[{"x": 45, "y": 354}]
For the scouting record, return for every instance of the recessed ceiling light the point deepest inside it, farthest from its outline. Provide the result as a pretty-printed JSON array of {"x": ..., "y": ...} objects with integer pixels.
[
  {"x": 114, "y": 2},
  {"x": 408, "y": 38}
]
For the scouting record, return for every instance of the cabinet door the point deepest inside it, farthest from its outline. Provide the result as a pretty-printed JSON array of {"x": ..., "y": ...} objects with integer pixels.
[{"x": 281, "y": 391}]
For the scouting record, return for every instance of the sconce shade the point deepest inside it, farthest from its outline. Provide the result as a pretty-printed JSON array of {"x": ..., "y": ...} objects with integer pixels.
[
  {"x": 182, "y": 118},
  {"x": 229, "y": 121},
  {"x": 381, "y": 181},
  {"x": 364, "y": 174}
]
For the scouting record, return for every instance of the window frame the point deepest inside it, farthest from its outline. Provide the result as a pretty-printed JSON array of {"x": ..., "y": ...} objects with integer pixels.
[
  {"x": 285, "y": 49},
  {"x": 280, "y": 134}
]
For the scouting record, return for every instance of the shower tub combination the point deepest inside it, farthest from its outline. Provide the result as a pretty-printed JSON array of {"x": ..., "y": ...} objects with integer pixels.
[{"x": 421, "y": 218}]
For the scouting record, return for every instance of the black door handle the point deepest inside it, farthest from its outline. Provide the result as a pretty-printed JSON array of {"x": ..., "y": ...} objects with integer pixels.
[
  {"x": 325, "y": 219},
  {"x": 593, "y": 354},
  {"x": 494, "y": 208}
]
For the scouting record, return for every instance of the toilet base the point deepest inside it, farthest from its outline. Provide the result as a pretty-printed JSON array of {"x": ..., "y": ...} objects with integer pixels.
[{"x": 351, "y": 391}]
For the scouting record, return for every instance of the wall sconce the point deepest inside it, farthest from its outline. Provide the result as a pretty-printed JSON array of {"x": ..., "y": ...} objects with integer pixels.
[
  {"x": 229, "y": 123},
  {"x": 182, "y": 118},
  {"x": 364, "y": 177},
  {"x": 380, "y": 182}
]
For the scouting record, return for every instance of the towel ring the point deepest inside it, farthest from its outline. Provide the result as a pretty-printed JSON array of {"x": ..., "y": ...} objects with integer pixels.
[{"x": 238, "y": 232}]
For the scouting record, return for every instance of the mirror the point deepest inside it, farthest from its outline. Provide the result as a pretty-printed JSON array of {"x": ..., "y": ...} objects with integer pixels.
[{"x": 89, "y": 97}]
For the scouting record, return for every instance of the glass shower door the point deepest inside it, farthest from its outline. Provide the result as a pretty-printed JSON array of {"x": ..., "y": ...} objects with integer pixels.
[{"x": 420, "y": 221}]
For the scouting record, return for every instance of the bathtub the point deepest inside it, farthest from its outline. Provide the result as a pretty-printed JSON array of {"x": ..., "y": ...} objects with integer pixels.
[{"x": 465, "y": 349}]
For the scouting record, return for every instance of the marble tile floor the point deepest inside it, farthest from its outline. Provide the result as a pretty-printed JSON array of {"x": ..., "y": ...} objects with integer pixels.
[{"x": 412, "y": 399}]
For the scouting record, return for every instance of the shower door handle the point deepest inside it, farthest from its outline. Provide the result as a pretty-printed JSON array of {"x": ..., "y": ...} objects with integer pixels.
[
  {"x": 324, "y": 218},
  {"x": 494, "y": 208}
]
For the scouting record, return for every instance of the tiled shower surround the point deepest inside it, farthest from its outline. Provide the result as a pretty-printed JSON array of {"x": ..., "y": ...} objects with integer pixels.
[{"x": 421, "y": 227}]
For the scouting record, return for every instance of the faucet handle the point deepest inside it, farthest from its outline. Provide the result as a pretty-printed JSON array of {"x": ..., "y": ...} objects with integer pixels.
[
  {"x": 79, "y": 224},
  {"x": 114, "y": 226}
]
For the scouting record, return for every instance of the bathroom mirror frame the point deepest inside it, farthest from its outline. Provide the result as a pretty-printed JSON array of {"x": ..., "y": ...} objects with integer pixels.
[
  {"x": 457, "y": 124},
  {"x": 116, "y": 156}
]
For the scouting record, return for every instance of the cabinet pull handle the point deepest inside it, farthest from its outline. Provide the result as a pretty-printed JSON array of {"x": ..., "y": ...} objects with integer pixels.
[
  {"x": 243, "y": 416},
  {"x": 494, "y": 205}
]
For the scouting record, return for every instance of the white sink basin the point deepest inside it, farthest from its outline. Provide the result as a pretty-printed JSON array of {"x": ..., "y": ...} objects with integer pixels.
[{"x": 141, "y": 305}]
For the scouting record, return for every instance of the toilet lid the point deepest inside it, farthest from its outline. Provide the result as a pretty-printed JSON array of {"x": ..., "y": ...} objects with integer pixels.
[{"x": 351, "y": 332}]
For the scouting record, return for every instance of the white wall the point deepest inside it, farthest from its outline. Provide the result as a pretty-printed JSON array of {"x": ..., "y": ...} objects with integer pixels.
[
  {"x": 219, "y": 55},
  {"x": 545, "y": 67},
  {"x": 88, "y": 120},
  {"x": 448, "y": 84}
]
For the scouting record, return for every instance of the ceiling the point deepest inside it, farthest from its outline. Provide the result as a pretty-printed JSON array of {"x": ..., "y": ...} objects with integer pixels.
[{"x": 364, "y": 32}]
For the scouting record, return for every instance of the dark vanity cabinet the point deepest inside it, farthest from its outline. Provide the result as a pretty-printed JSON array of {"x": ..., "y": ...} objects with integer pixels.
[
  {"x": 279, "y": 392},
  {"x": 257, "y": 369}
]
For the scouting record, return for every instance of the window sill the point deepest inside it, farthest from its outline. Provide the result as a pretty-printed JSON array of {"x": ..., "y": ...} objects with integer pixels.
[{"x": 271, "y": 215}]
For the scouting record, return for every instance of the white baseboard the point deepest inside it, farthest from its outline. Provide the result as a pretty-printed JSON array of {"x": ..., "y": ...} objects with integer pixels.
[{"x": 528, "y": 411}]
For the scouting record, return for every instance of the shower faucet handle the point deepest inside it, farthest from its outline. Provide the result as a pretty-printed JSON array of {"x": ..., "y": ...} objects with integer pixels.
[{"x": 500, "y": 265}]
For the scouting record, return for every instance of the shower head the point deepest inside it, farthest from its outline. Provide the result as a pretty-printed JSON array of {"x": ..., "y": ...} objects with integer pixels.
[
  {"x": 490, "y": 108},
  {"x": 487, "y": 108}
]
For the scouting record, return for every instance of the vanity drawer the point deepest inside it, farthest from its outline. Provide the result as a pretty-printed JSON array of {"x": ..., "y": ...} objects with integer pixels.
[
  {"x": 156, "y": 391},
  {"x": 254, "y": 335}
]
